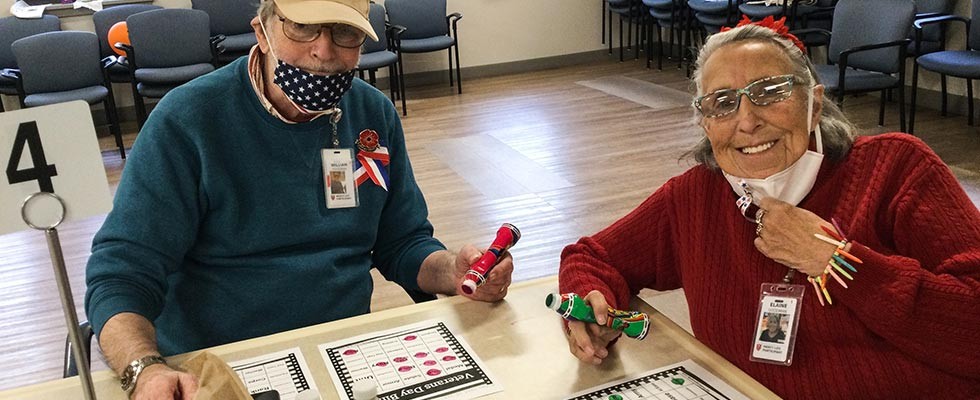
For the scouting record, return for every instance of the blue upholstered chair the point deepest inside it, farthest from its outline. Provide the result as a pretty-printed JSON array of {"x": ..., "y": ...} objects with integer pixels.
[
  {"x": 57, "y": 67},
  {"x": 714, "y": 14},
  {"x": 675, "y": 16},
  {"x": 631, "y": 12},
  {"x": 867, "y": 50},
  {"x": 12, "y": 29},
  {"x": 427, "y": 29},
  {"x": 930, "y": 37},
  {"x": 230, "y": 20},
  {"x": 383, "y": 53},
  {"x": 958, "y": 63},
  {"x": 169, "y": 48},
  {"x": 105, "y": 19}
]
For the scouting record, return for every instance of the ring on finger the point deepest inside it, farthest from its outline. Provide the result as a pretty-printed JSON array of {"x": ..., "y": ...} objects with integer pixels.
[{"x": 758, "y": 221}]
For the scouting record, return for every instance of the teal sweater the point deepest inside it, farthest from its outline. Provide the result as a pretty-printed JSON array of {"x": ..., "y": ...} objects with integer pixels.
[{"x": 219, "y": 230}]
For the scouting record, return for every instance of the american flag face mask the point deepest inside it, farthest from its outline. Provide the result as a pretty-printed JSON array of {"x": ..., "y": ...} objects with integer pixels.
[{"x": 312, "y": 92}]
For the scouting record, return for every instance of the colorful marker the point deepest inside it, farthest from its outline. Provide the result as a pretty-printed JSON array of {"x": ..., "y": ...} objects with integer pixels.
[
  {"x": 507, "y": 236},
  {"x": 572, "y": 307}
]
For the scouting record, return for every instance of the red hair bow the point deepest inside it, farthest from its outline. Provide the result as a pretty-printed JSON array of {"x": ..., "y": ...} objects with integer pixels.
[{"x": 778, "y": 26}]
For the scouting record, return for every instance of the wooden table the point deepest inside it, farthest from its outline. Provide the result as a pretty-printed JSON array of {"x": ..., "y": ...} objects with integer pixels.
[{"x": 519, "y": 340}]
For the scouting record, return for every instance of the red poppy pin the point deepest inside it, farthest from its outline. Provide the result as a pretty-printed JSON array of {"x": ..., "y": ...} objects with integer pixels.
[{"x": 368, "y": 140}]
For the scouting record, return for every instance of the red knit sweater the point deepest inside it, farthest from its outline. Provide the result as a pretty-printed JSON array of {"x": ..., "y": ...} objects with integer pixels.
[{"x": 908, "y": 326}]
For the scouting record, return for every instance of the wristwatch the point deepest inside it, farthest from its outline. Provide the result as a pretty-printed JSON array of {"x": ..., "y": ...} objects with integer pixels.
[{"x": 132, "y": 371}]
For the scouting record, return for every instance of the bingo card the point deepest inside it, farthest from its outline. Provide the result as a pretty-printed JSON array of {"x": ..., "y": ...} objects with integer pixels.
[
  {"x": 684, "y": 380},
  {"x": 419, "y": 361}
]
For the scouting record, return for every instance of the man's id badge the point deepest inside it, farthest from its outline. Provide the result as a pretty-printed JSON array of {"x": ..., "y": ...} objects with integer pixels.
[
  {"x": 338, "y": 174},
  {"x": 775, "y": 327}
]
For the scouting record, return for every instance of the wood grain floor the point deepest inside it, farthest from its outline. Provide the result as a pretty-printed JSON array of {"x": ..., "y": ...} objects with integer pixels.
[{"x": 575, "y": 159}]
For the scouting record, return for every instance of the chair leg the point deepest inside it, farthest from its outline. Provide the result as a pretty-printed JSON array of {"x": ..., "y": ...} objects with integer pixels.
[
  {"x": 942, "y": 81},
  {"x": 620, "y": 38},
  {"x": 401, "y": 83},
  {"x": 450, "y": 52},
  {"x": 459, "y": 77},
  {"x": 660, "y": 45},
  {"x": 1, "y": 104},
  {"x": 648, "y": 35},
  {"x": 392, "y": 83},
  {"x": 881, "y": 108},
  {"x": 138, "y": 103},
  {"x": 113, "y": 116},
  {"x": 969, "y": 100},
  {"x": 915, "y": 89}
]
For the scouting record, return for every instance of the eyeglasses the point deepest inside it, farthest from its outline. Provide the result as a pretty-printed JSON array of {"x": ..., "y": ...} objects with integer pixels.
[
  {"x": 343, "y": 35},
  {"x": 762, "y": 92}
]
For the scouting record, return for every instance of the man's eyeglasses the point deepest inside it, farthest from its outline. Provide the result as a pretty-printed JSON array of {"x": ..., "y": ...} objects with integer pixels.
[
  {"x": 343, "y": 35},
  {"x": 762, "y": 92}
]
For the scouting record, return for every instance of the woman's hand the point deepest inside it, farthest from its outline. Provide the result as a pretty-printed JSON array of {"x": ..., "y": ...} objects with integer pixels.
[
  {"x": 787, "y": 237},
  {"x": 589, "y": 341}
]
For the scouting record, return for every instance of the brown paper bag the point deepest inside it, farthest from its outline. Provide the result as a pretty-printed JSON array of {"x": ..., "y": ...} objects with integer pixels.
[{"x": 215, "y": 379}]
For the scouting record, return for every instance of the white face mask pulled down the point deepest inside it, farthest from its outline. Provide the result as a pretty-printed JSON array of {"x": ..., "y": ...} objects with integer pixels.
[{"x": 791, "y": 184}]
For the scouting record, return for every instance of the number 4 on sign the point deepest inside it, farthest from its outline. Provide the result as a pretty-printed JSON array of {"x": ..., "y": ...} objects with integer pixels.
[
  {"x": 41, "y": 171},
  {"x": 51, "y": 149}
]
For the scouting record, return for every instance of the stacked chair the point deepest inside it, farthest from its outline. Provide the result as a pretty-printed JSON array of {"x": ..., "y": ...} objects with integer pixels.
[
  {"x": 427, "y": 28},
  {"x": 11, "y": 30},
  {"x": 383, "y": 53},
  {"x": 957, "y": 63}
]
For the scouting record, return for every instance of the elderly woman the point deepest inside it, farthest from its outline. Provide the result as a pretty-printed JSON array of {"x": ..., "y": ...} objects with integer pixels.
[{"x": 776, "y": 169}]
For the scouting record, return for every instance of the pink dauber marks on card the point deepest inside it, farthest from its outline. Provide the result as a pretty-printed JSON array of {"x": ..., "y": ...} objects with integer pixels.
[
  {"x": 400, "y": 359},
  {"x": 421, "y": 354},
  {"x": 442, "y": 350},
  {"x": 411, "y": 337},
  {"x": 381, "y": 364},
  {"x": 429, "y": 363},
  {"x": 350, "y": 352},
  {"x": 405, "y": 368},
  {"x": 433, "y": 372},
  {"x": 448, "y": 358}
]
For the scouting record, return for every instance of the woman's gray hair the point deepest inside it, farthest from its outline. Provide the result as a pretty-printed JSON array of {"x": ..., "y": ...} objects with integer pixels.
[{"x": 837, "y": 131}]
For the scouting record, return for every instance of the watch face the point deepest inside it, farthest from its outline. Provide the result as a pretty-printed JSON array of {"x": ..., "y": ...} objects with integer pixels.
[{"x": 128, "y": 379}]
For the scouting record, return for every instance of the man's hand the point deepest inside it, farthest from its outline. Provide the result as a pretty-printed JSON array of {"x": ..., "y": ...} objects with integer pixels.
[
  {"x": 160, "y": 382},
  {"x": 498, "y": 280},
  {"x": 590, "y": 342}
]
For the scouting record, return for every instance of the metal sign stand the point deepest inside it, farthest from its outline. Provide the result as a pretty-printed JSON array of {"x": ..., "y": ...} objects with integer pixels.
[{"x": 67, "y": 303}]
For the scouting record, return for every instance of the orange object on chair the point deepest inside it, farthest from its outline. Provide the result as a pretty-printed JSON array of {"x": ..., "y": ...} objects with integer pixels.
[{"x": 118, "y": 33}]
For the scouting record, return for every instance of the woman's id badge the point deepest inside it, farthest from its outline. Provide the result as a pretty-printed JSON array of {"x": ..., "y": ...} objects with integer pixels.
[
  {"x": 775, "y": 327},
  {"x": 338, "y": 174}
]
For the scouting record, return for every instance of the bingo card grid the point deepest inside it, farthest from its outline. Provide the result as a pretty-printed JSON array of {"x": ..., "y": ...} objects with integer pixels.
[
  {"x": 417, "y": 357},
  {"x": 674, "y": 382}
]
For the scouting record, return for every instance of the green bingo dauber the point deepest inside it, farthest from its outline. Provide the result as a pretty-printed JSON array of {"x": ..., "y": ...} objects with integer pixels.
[{"x": 571, "y": 306}]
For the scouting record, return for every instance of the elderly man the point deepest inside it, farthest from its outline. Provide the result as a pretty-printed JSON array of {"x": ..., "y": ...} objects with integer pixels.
[{"x": 224, "y": 226}]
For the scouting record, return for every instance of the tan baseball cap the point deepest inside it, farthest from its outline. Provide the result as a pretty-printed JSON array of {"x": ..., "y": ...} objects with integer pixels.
[{"x": 350, "y": 12}]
